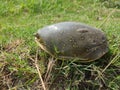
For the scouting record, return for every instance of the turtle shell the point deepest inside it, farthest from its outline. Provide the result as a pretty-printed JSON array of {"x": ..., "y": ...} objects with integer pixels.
[{"x": 72, "y": 40}]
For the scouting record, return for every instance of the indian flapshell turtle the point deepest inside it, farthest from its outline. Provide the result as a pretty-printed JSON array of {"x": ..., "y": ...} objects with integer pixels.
[{"x": 72, "y": 40}]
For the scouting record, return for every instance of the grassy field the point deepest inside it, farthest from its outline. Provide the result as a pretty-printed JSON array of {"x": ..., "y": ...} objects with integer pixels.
[{"x": 21, "y": 58}]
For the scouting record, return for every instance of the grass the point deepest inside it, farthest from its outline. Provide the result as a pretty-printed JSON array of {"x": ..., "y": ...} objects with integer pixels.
[{"x": 20, "y": 19}]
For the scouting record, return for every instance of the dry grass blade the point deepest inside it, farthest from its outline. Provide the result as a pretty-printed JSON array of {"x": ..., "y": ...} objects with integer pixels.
[
  {"x": 49, "y": 69},
  {"x": 107, "y": 18},
  {"x": 101, "y": 76},
  {"x": 112, "y": 61},
  {"x": 39, "y": 73}
]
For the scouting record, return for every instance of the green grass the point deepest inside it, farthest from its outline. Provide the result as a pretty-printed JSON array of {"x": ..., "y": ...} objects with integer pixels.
[{"x": 20, "y": 19}]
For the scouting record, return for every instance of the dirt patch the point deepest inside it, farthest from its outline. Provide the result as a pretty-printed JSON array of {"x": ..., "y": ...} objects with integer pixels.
[{"x": 13, "y": 45}]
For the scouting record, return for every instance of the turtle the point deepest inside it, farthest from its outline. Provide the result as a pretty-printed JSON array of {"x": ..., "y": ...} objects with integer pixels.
[{"x": 72, "y": 40}]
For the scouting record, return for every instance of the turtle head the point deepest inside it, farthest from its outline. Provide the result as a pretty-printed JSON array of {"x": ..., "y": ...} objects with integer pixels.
[
  {"x": 36, "y": 35},
  {"x": 38, "y": 39},
  {"x": 41, "y": 43}
]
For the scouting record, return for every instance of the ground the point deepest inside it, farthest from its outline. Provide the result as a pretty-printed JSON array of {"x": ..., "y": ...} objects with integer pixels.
[{"x": 22, "y": 63}]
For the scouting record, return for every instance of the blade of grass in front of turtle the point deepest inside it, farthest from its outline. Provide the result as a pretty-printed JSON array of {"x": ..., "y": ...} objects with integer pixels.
[{"x": 106, "y": 19}]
